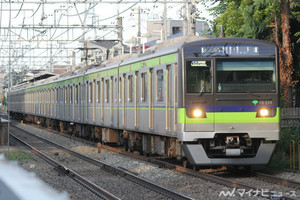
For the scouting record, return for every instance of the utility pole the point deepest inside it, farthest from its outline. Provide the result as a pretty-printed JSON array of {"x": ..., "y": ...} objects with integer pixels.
[
  {"x": 120, "y": 35},
  {"x": 191, "y": 24},
  {"x": 164, "y": 27},
  {"x": 139, "y": 36},
  {"x": 184, "y": 18}
]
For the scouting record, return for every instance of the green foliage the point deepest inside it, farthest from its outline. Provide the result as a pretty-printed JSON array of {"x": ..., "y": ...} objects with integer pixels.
[
  {"x": 231, "y": 19},
  {"x": 19, "y": 156},
  {"x": 281, "y": 158},
  {"x": 4, "y": 101},
  {"x": 295, "y": 13},
  {"x": 247, "y": 18}
]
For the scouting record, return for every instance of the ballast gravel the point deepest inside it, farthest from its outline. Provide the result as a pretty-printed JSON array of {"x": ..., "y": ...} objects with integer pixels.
[{"x": 193, "y": 187}]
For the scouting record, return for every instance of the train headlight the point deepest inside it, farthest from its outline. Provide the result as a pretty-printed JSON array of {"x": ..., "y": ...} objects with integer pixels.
[
  {"x": 197, "y": 113},
  {"x": 266, "y": 112}
]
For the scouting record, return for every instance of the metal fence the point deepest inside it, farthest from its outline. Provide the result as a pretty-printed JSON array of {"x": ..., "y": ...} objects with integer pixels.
[{"x": 290, "y": 117}]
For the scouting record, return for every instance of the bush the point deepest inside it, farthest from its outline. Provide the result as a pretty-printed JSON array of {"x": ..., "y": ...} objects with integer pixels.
[{"x": 281, "y": 157}]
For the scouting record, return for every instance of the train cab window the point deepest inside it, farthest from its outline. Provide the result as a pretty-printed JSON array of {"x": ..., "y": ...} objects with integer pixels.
[
  {"x": 198, "y": 76},
  {"x": 238, "y": 76},
  {"x": 159, "y": 83},
  {"x": 130, "y": 88},
  {"x": 144, "y": 87}
]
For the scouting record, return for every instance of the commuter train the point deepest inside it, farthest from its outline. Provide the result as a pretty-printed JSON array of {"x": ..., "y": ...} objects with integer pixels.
[{"x": 208, "y": 101}]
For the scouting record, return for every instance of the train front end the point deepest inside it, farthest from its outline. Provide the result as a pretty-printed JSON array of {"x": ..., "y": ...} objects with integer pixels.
[{"x": 229, "y": 114}]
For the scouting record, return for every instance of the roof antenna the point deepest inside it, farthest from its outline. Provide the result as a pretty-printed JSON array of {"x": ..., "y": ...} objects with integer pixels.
[{"x": 222, "y": 34}]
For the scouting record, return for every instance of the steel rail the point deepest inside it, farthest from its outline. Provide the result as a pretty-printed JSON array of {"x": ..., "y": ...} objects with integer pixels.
[
  {"x": 277, "y": 180},
  {"x": 70, "y": 173},
  {"x": 118, "y": 171}
]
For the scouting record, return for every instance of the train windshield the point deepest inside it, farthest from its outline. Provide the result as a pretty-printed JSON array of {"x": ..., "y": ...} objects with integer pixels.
[
  {"x": 198, "y": 76},
  {"x": 238, "y": 76}
]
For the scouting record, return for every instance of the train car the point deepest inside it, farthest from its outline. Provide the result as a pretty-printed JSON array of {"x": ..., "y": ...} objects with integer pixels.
[{"x": 212, "y": 101}]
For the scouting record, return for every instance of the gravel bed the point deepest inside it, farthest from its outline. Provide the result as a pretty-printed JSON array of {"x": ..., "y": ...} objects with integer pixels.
[
  {"x": 184, "y": 184},
  {"x": 117, "y": 185},
  {"x": 45, "y": 172}
]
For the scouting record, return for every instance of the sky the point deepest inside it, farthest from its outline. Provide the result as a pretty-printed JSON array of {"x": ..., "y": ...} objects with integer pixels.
[{"x": 31, "y": 28}]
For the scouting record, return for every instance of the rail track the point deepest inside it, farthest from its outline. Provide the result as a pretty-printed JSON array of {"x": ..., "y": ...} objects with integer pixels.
[
  {"x": 107, "y": 168},
  {"x": 209, "y": 177},
  {"x": 102, "y": 193}
]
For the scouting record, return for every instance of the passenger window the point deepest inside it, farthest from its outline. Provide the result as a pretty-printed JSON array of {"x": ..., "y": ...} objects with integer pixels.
[
  {"x": 71, "y": 94},
  {"x": 98, "y": 91},
  {"x": 91, "y": 93},
  {"x": 130, "y": 88},
  {"x": 107, "y": 91},
  {"x": 144, "y": 87},
  {"x": 159, "y": 83},
  {"x": 76, "y": 94}
]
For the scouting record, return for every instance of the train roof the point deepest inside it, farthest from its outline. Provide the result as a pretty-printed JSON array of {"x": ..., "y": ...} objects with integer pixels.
[
  {"x": 225, "y": 40},
  {"x": 169, "y": 47}
]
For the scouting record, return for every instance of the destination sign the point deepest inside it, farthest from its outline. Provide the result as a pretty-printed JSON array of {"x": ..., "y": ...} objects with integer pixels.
[{"x": 198, "y": 63}]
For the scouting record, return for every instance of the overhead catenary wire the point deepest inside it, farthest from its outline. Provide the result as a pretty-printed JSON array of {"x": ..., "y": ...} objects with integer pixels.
[
  {"x": 19, "y": 10},
  {"x": 36, "y": 40}
]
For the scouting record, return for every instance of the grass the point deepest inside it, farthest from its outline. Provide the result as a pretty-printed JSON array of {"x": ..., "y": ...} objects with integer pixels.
[
  {"x": 19, "y": 156},
  {"x": 281, "y": 157}
]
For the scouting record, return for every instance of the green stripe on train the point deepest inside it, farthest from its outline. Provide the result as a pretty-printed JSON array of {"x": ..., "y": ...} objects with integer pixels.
[{"x": 227, "y": 117}]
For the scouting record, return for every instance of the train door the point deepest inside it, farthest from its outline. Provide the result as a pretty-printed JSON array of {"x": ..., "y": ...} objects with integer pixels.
[
  {"x": 98, "y": 102},
  {"x": 89, "y": 111},
  {"x": 199, "y": 98},
  {"x": 71, "y": 108},
  {"x": 116, "y": 102},
  {"x": 102, "y": 99},
  {"x": 94, "y": 95},
  {"x": 144, "y": 101},
  {"x": 76, "y": 103},
  {"x": 159, "y": 113},
  {"x": 82, "y": 104},
  {"x": 136, "y": 99},
  {"x": 124, "y": 101},
  {"x": 130, "y": 102},
  {"x": 79, "y": 102},
  {"x": 111, "y": 101},
  {"x": 120, "y": 101},
  {"x": 168, "y": 97},
  {"x": 151, "y": 99}
]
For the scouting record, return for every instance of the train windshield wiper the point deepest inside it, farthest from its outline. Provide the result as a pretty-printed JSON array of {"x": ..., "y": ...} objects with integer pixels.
[{"x": 204, "y": 85}]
